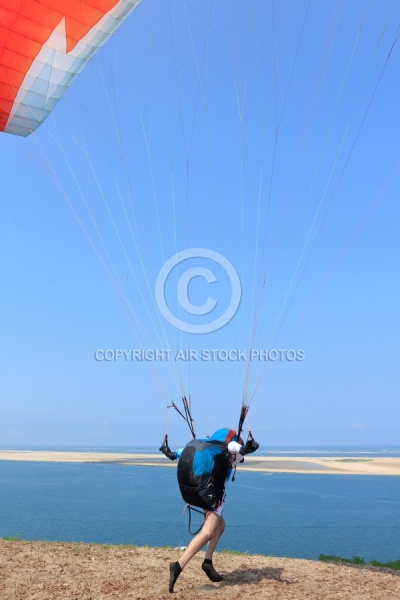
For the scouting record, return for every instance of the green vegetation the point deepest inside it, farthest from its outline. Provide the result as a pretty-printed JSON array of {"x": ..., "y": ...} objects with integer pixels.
[
  {"x": 115, "y": 545},
  {"x": 236, "y": 552},
  {"x": 357, "y": 560},
  {"x": 395, "y": 564},
  {"x": 14, "y": 538}
]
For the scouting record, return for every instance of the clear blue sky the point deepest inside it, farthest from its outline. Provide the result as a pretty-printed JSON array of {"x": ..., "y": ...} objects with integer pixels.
[{"x": 266, "y": 132}]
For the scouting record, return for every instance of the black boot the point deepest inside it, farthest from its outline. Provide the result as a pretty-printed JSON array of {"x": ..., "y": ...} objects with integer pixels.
[
  {"x": 209, "y": 570},
  {"x": 175, "y": 570}
]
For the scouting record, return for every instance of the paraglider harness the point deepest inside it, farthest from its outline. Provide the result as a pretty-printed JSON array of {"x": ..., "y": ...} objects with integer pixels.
[{"x": 203, "y": 466}]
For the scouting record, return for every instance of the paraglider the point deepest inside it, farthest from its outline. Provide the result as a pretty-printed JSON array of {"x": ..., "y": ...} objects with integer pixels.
[{"x": 276, "y": 206}]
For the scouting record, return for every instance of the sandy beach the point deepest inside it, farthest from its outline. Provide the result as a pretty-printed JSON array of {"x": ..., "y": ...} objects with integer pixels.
[
  {"x": 265, "y": 464},
  {"x": 54, "y": 571}
]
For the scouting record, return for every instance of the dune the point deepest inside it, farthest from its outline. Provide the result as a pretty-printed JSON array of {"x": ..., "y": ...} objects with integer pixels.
[{"x": 75, "y": 571}]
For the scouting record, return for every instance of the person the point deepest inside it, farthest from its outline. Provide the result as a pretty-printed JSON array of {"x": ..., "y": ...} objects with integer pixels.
[{"x": 214, "y": 523}]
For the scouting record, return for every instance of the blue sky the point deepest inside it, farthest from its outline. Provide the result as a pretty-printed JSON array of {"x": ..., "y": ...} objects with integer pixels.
[{"x": 266, "y": 132}]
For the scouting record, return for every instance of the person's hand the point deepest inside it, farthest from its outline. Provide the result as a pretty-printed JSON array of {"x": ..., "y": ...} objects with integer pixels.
[
  {"x": 168, "y": 452},
  {"x": 249, "y": 447}
]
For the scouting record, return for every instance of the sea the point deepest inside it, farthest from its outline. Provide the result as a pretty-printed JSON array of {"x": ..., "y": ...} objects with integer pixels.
[{"x": 276, "y": 514}]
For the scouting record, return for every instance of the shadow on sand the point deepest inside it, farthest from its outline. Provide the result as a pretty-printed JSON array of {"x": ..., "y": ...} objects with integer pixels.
[
  {"x": 249, "y": 576},
  {"x": 254, "y": 576}
]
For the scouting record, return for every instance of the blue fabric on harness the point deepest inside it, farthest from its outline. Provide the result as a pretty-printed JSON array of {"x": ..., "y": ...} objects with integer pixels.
[{"x": 203, "y": 461}]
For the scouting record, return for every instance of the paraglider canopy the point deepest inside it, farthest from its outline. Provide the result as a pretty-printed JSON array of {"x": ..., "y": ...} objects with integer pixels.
[{"x": 45, "y": 44}]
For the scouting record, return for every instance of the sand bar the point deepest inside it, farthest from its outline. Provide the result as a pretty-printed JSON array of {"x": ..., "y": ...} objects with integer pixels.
[{"x": 265, "y": 464}]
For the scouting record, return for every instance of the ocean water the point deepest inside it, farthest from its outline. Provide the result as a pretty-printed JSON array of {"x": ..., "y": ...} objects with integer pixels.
[{"x": 292, "y": 515}]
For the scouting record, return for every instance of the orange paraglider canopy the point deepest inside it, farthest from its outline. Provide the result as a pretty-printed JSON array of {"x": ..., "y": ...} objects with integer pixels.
[{"x": 44, "y": 44}]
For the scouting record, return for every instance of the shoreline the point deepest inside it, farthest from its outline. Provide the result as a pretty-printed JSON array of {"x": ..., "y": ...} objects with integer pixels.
[{"x": 269, "y": 465}]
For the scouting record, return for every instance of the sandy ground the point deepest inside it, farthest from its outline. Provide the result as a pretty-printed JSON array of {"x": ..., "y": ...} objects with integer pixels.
[
  {"x": 64, "y": 571},
  {"x": 276, "y": 464}
]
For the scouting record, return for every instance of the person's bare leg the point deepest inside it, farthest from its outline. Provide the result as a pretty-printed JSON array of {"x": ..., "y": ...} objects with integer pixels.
[
  {"x": 207, "y": 565},
  {"x": 214, "y": 540},
  {"x": 209, "y": 531}
]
